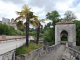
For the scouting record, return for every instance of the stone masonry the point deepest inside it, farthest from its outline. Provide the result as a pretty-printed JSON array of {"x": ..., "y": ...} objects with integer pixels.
[{"x": 68, "y": 29}]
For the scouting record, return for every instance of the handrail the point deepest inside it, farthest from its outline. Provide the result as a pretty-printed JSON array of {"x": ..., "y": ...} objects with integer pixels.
[
  {"x": 11, "y": 39},
  {"x": 74, "y": 49}
]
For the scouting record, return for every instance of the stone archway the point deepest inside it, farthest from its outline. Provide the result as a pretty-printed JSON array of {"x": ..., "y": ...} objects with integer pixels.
[
  {"x": 68, "y": 29},
  {"x": 62, "y": 34}
]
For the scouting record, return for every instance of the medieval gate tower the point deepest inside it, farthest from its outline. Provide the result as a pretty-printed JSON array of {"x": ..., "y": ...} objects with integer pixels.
[{"x": 68, "y": 29}]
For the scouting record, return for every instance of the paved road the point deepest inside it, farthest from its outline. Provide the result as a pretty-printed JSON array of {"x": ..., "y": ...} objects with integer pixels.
[
  {"x": 8, "y": 46},
  {"x": 54, "y": 55}
]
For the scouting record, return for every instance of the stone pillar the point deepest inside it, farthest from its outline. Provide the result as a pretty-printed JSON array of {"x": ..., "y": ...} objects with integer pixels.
[
  {"x": 13, "y": 56},
  {"x": 3, "y": 36}
]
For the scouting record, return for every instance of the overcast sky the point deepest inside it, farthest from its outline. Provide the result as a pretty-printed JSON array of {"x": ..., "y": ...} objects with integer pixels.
[{"x": 39, "y": 7}]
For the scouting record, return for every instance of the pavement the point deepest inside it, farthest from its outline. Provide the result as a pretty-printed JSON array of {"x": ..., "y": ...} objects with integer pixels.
[
  {"x": 8, "y": 46},
  {"x": 54, "y": 55}
]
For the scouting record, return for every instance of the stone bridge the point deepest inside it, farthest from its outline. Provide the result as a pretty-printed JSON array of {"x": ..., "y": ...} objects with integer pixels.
[
  {"x": 8, "y": 46},
  {"x": 62, "y": 50},
  {"x": 54, "y": 52}
]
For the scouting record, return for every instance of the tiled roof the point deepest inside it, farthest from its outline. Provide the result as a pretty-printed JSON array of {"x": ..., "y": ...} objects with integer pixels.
[
  {"x": 12, "y": 24},
  {"x": 65, "y": 23},
  {"x": 12, "y": 19}
]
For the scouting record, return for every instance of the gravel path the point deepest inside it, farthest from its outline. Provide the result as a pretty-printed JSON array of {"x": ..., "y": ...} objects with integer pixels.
[{"x": 54, "y": 55}]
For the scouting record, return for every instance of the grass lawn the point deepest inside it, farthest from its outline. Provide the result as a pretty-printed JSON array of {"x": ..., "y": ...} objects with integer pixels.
[{"x": 24, "y": 49}]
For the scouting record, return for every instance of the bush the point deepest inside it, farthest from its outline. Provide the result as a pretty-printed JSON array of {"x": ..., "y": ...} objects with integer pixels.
[
  {"x": 24, "y": 49},
  {"x": 5, "y": 29}
]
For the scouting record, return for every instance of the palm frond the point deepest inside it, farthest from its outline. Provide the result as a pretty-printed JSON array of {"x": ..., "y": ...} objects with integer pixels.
[
  {"x": 25, "y": 24},
  {"x": 34, "y": 23},
  {"x": 19, "y": 13},
  {"x": 42, "y": 20},
  {"x": 20, "y": 17},
  {"x": 25, "y": 9},
  {"x": 20, "y": 23},
  {"x": 41, "y": 26}
]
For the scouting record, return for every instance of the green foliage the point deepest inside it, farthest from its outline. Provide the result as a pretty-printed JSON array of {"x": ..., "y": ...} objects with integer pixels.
[
  {"x": 41, "y": 31},
  {"x": 79, "y": 49},
  {"x": 9, "y": 30},
  {"x": 54, "y": 17},
  {"x": 69, "y": 16},
  {"x": 41, "y": 35},
  {"x": 47, "y": 26},
  {"x": 49, "y": 36},
  {"x": 33, "y": 33},
  {"x": 20, "y": 33},
  {"x": 32, "y": 29},
  {"x": 22, "y": 28},
  {"x": 77, "y": 32},
  {"x": 64, "y": 38},
  {"x": 6, "y": 30},
  {"x": 24, "y": 49}
]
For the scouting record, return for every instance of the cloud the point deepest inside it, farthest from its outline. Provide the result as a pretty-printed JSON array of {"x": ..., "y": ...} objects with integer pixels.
[
  {"x": 50, "y": 5},
  {"x": 39, "y": 7},
  {"x": 8, "y": 10},
  {"x": 14, "y": 1}
]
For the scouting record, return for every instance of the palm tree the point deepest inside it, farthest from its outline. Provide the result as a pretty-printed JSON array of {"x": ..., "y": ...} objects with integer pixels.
[
  {"x": 38, "y": 28},
  {"x": 26, "y": 14}
]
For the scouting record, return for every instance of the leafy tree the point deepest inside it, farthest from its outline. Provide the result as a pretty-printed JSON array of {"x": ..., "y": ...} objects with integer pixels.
[
  {"x": 7, "y": 30},
  {"x": 32, "y": 29},
  {"x": 69, "y": 16},
  {"x": 54, "y": 17},
  {"x": 77, "y": 32},
  {"x": 49, "y": 36},
  {"x": 64, "y": 38},
  {"x": 47, "y": 26}
]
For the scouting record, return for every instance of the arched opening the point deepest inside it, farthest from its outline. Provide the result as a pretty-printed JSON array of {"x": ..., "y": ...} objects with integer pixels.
[{"x": 64, "y": 37}]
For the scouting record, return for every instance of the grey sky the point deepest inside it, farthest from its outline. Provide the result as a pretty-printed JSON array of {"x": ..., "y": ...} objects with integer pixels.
[
  {"x": 39, "y": 7},
  {"x": 14, "y": 1}
]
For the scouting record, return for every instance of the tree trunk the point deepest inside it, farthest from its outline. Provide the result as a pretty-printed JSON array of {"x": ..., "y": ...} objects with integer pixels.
[
  {"x": 27, "y": 30},
  {"x": 38, "y": 31}
]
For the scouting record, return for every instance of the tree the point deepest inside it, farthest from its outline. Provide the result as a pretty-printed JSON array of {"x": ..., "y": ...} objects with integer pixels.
[
  {"x": 54, "y": 16},
  {"x": 77, "y": 32},
  {"x": 7, "y": 30},
  {"x": 69, "y": 16},
  {"x": 26, "y": 14},
  {"x": 38, "y": 28}
]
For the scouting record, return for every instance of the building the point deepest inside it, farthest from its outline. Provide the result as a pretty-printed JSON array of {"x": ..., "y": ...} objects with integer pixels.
[
  {"x": 7, "y": 21},
  {"x": 31, "y": 38}
]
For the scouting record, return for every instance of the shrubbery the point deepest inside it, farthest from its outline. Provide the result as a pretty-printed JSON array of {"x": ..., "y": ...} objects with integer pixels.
[
  {"x": 7, "y": 30},
  {"x": 24, "y": 49}
]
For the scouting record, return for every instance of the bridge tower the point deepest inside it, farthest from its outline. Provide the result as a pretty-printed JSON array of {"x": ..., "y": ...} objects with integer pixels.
[{"x": 68, "y": 29}]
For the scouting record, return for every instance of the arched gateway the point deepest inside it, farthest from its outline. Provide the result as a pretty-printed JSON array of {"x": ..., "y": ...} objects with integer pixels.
[{"x": 68, "y": 29}]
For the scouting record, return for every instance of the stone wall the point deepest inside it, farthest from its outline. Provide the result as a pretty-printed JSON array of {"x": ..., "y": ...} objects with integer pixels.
[
  {"x": 71, "y": 54},
  {"x": 70, "y": 29},
  {"x": 8, "y": 56},
  {"x": 36, "y": 53},
  {"x": 7, "y": 48}
]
